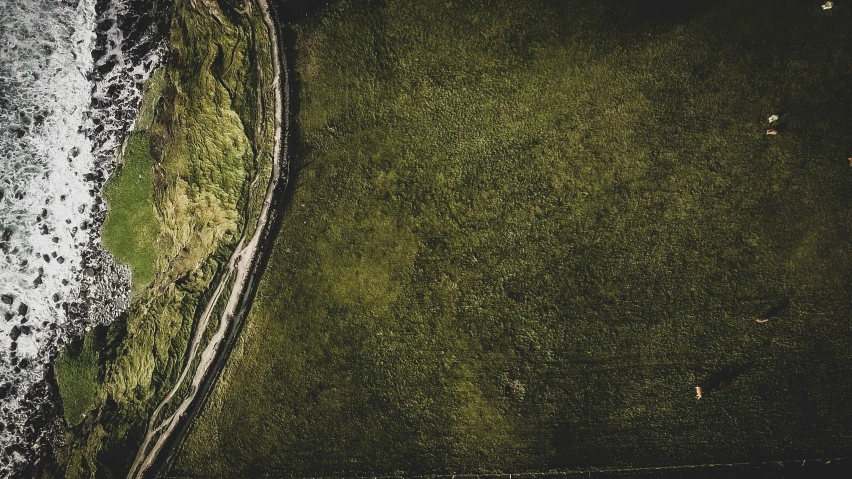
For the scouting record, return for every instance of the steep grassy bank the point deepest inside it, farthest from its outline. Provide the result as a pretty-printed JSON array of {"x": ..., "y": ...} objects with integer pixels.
[
  {"x": 523, "y": 231},
  {"x": 184, "y": 195}
]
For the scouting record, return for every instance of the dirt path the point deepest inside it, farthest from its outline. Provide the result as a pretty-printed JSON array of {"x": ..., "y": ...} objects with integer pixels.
[{"x": 237, "y": 268}]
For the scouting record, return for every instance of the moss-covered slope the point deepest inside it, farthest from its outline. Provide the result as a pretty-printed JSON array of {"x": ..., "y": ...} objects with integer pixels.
[
  {"x": 522, "y": 232},
  {"x": 191, "y": 182}
]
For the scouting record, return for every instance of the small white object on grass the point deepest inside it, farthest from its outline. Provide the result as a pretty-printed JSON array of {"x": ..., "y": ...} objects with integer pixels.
[
  {"x": 827, "y": 5},
  {"x": 773, "y": 118},
  {"x": 698, "y": 392},
  {"x": 140, "y": 177}
]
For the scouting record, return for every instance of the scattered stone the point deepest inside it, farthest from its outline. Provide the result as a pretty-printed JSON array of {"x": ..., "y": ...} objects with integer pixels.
[
  {"x": 15, "y": 333},
  {"x": 7, "y": 299},
  {"x": 23, "y": 309}
]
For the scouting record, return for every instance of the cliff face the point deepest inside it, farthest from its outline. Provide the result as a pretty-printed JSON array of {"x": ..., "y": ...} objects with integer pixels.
[{"x": 191, "y": 179}]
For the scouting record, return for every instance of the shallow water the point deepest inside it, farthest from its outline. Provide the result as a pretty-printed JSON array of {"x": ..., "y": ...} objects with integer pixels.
[
  {"x": 56, "y": 144},
  {"x": 44, "y": 154}
]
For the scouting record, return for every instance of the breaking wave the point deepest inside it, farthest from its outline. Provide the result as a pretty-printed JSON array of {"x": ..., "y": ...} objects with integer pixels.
[{"x": 70, "y": 79}]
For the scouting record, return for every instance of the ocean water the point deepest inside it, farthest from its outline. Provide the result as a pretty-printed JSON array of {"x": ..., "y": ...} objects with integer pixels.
[
  {"x": 45, "y": 59},
  {"x": 63, "y": 113}
]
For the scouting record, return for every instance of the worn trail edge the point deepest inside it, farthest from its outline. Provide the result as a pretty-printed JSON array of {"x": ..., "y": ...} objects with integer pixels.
[{"x": 243, "y": 268}]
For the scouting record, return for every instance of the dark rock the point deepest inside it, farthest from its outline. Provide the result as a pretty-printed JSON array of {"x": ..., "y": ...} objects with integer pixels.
[
  {"x": 9, "y": 316},
  {"x": 23, "y": 309},
  {"x": 8, "y": 299},
  {"x": 25, "y": 329},
  {"x": 15, "y": 333}
]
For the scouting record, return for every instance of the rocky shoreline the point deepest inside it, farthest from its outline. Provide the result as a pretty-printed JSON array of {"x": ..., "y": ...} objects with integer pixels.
[{"x": 128, "y": 47}]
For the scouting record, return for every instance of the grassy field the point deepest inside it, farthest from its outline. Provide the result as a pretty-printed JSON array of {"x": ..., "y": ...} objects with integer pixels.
[
  {"x": 76, "y": 371},
  {"x": 177, "y": 206},
  {"x": 131, "y": 229},
  {"x": 522, "y": 232}
]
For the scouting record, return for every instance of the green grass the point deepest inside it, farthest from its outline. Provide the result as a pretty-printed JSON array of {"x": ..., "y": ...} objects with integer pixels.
[
  {"x": 573, "y": 197},
  {"x": 130, "y": 231},
  {"x": 197, "y": 147},
  {"x": 76, "y": 373}
]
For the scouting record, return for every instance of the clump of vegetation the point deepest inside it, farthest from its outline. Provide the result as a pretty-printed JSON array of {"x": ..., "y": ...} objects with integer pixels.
[
  {"x": 76, "y": 371},
  {"x": 573, "y": 200},
  {"x": 131, "y": 230},
  {"x": 203, "y": 149}
]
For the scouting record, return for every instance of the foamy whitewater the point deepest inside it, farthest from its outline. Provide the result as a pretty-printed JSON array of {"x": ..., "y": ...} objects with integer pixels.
[{"x": 54, "y": 140}]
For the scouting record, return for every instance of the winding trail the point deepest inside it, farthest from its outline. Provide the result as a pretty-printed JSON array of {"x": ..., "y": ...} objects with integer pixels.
[{"x": 239, "y": 268}]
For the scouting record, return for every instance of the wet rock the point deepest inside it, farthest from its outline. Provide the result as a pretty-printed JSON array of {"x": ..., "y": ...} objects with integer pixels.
[
  {"x": 23, "y": 309},
  {"x": 15, "y": 333},
  {"x": 7, "y": 299},
  {"x": 25, "y": 330}
]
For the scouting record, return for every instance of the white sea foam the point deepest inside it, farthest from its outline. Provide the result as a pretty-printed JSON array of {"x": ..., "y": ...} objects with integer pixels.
[{"x": 46, "y": 152}]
